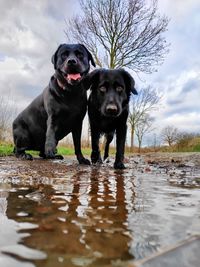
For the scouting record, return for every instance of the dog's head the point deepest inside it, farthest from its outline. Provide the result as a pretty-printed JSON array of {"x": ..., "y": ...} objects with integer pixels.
[
  {"x": 72, "y": 61},
  {"x": 111, "y": 90}
]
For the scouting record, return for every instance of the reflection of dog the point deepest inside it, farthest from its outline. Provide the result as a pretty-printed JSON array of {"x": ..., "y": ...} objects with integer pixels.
[
  {"x": 59, "y": 110},
  {"x": 108, "y": 110}
]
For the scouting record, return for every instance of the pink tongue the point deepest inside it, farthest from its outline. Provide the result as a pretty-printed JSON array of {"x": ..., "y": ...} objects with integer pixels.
[{"x": 75, "y": 76}]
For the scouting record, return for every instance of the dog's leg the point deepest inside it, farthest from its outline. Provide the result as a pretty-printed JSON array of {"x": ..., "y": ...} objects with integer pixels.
[
  {"x": 42, "y": 154},
  {"x": 76, "y": 135},
  {"x": 95, "y": 155},
  {"x": 22, "y": 142},
  {"x": 20, "y": 153},
  {"x": 58, "y": 156},
  {"x": 50, "y": 144},
  {"x": 109, "y": 138},
  {"x": 121, "y": 138}
]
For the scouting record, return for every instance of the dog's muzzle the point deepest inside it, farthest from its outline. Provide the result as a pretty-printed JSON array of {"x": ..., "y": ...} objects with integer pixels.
[{"x": 111, "y": 110}]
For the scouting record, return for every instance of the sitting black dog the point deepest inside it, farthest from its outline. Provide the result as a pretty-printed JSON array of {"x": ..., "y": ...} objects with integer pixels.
[
  {"x": 59, "y": 110},
  {"x": 108, "y": 108}
]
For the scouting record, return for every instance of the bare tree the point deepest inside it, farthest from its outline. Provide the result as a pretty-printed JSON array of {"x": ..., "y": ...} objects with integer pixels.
[
  {"x": 6, "y": 115},
  {"x": 88, "y": 132},
  {"x": 140, "y": 107},
  {"x": 143, "y": 127},
  {"x": 121, "y": 33},
  {"x": 156, "y": 141},
  {"x": 170, "y": 135}
]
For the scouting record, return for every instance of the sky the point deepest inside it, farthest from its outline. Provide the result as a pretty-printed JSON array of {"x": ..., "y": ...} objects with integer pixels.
[{"x": 32, "y": 30}]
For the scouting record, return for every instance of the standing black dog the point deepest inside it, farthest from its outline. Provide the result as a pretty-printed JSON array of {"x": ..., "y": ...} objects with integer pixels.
[
  {"x": 108, "y": 110},
  {"x": 59, "y": 110}
]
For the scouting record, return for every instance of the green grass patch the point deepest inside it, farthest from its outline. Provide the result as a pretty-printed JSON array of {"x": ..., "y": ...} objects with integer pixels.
[
  {"x": 68, "y": 151},
  {"x": 7, "y": 150},
  {"x": 196, "y": 148}
]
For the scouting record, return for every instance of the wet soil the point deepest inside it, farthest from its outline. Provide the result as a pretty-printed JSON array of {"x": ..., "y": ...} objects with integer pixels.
[{"x": 59, "y": 213}]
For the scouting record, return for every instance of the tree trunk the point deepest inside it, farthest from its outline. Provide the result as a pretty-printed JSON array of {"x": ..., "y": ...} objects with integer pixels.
[
  {"x": 132, "y": 138},
  {"x": 139, "y": 145},
  {"x": 88, "y": 135}
]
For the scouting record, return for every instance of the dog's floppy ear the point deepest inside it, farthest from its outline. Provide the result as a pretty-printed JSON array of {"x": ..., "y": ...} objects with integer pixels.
[
  {"x": 91, "y": 79},
  {"x": 129, "y": 81},
  {"x": 54, "y": 57},
  {"x": 89, "y": 56}
]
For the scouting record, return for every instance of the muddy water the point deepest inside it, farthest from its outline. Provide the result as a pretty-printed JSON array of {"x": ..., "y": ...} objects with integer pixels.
[{"x": 57, "y": 213}]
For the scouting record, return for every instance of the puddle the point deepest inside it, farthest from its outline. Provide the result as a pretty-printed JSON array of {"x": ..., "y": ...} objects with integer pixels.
[{"x": 57, "y": 213}]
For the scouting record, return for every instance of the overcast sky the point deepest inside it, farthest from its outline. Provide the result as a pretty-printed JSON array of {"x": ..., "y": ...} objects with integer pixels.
[{"x": 31, "y": 31}]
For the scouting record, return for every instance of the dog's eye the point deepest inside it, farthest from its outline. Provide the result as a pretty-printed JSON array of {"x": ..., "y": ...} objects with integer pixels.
[
  {"x": 64, "y": 55},
  {"x": 102, "y": 89},
  {"x": 119, "y": 89},
  {"x": 79, "y": 54}
]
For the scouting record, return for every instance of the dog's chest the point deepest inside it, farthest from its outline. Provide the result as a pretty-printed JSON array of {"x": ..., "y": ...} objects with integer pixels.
[
  {"x": 107, "y": 125},
  {"x": 69, "y": 112}
]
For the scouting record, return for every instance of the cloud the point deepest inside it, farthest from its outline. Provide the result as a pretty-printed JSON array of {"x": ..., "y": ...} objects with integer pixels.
[
  {"x": 178, "y": 79},
  {"x": 180, "y": 105},
  {"x": 30, "y": 33},
  {"x": 29, "y": 29},
  {"x": 189, "y": 123},
  {"x": 178, "y": 8},
  {"x": 183, "y": 34},
  {"x": 191, "y": 85}
]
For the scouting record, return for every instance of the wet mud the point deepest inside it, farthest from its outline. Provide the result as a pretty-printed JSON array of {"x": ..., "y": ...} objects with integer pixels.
[{"x": 58, "y": 213}]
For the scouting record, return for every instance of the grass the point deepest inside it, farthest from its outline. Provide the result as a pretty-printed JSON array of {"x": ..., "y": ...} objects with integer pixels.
[
  {"x": 7, "y": 150},
  {"x": 67, "y": 151},
  {"x": 196, "y": 148}
]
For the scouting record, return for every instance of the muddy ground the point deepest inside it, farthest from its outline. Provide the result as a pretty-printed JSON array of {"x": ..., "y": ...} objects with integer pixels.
[
  {"x": 58, "y": 213},
  {"x": 182, "y": 168}
]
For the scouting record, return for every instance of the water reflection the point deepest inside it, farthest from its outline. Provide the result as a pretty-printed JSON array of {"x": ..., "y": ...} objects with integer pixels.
[
  {"x": 89, "y": 216},
  {"x": 82, "y": 218},
  {"x": 10, "y": 237}
]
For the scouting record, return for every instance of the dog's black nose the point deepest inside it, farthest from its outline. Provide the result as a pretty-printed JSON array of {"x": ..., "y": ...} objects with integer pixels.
[
  {"x": 71, "y": 62},
  {"x": 111, "y": 109}
]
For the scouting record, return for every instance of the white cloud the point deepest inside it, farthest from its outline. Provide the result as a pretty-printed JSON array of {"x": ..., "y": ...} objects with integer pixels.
[
  {"x": 189, "y": 123},
  {"x": 178, "y": 8},
  {"x": 180, "y": 103},
  {"x": 30, "y": 33},
  {"x": 178, "y": 79}
]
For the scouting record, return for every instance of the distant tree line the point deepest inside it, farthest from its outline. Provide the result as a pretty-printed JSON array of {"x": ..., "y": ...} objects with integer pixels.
[{"x": 180, "y": 140}]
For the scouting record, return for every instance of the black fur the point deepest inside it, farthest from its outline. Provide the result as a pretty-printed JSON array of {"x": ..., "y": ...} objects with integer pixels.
[
  {"x": 108, "y": 110},
  {"x": 60, "y": 108}
]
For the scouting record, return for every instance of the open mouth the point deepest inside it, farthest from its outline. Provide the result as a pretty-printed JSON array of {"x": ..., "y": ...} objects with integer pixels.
[{"x": 73, "y": 77}]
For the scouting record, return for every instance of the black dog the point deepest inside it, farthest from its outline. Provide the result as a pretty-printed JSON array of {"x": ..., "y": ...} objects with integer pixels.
[
  {"x": 108, "y": 110},
  {"x": 59, "y": 110}
]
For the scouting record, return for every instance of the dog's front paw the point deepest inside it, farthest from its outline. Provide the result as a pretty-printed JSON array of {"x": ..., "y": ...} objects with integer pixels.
[
  {"x": 84, "y": 161},
  {"x": 27, "y": 156},
  {"x": 96, "y": 158},
  {"x": 24, "y": 155},
  {"x": 50, "y": 154},
  {"x": 119, "y": 165},
  {"x": 59, "y": 157}
]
